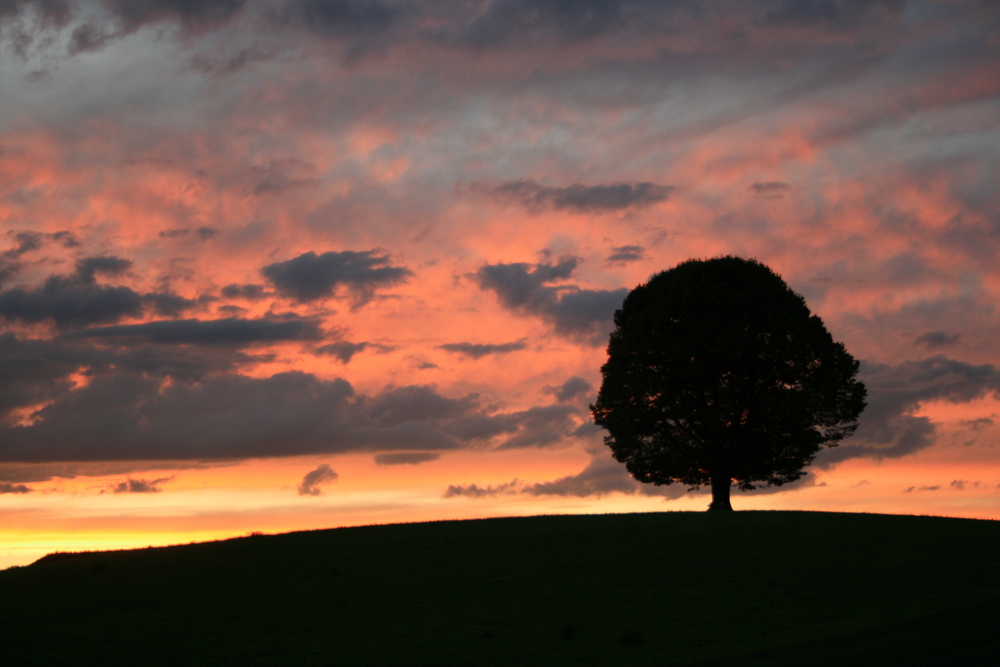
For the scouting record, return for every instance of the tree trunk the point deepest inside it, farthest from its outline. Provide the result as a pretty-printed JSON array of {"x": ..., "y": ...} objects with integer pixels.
[{"x": 720, "y": 493}]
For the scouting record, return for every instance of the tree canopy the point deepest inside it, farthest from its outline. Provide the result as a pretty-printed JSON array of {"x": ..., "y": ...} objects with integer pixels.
[{"x": 717, "y": 373}]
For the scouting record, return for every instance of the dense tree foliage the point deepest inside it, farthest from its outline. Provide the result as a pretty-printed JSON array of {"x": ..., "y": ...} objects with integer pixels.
[{"x": 717, "y": 373}]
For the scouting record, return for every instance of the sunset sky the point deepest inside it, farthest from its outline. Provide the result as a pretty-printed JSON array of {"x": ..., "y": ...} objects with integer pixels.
[{"x": 269, "y": 266}]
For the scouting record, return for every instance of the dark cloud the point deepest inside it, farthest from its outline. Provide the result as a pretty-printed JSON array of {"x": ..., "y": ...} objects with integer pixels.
[
  {"x": 570, "y": 389},
  {"x": 192, "y": 15},
  {"x": 126, "y": 415},
  {"x": 185, "y": 363},
  {"x": 838, "y": 13},
  {"x": 248, "y": 292},
  {"x": 26, "y": 241},
  {"x": 602, "y": 475},
  {"x": 89, "y": 267},
  {"x": 769, "y": 188},
  {"x": 342, "y": 18},
  {"x": 475, "y": 491},
  {"x": 525, "y": 289},
  {"x": 405, "y": 458},
  {"x": 281, "y": 175},
  {"x": 70, "y": 303},
  {"x": 933, "y": 340},
  {"x": 140, "y": 485},
  {"x": 888, "y": 428},
  {"x": 208, "y": 63},
  {"x": 958, "y": 484},
  {"x": 7, "y": 487},
  {"x": 309, "y": 486},
  {"x": 478, "y": 350},
  {"x": 8, "y": 270},
  {"x": 540, "y": 426},
  {"x": 625, "y": 254},
  {"x": 228, "y": 331},
  {"x": 44, "y": 472},
  {"x": 51, "y": 12},
  {"x": 580, "y": 198},
  {"x": 127, "y": 16},
  {"x": 168, "y": 304},
  {"x": 310, "y": 277},
  {"x": 203, "y": 233},
  {"x": 35, "y": 371},
  {"x": 343, "y": 350},
  {"x": 561, "y": 22},
  {"x": 418, "y": 403},
  {"x": 90, "y": 36},
  {"x": 977, "y": 424},
  {"x": 75, "y": 300},
  {"x": 922, "y": 488}
]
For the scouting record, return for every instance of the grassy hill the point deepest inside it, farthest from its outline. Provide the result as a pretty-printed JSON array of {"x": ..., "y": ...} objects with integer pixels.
[{"x": 776, "y": 588}]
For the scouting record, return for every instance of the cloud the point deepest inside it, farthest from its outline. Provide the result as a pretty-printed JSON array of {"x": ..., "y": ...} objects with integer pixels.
[
  {"x": 527, "y": 290},
  {"x": 276, "y": 176},
  {"x": 540, "y": 426},
  {"x": 561, "y": 22},
  {"x": 603, "y": 475},
  {"x": 140, "y": 485},
  {"x": 124, "y": 414},
  {"x": 192, "y": 15},
  {"x": 933, "y": 340},
  {"x": 169, "y": 304},
  {"x": 398, "y": 405},
  {"x": 203, "y": 233},
  {"x": 830, "y": 12},
  {"x": 248, "y": 292},
  {"x": 310, "y": 277},
  {"x": 769, "y": 188},
  {"x": 69, "y": 304},
  {"x": 475, "y": 491},
  {"x": 342, "y": 350},
  {"x": 7, "y": 487},
  {"x": 625, "y": 254},
  {"x": 229, "y": 331},
  {"x": 34, "y": 372},
  {"x": 74, "y": 300},
  {"x": 44, "y": 472},
  {"x": 888, "y": 428},
  {"x": 342, "y": 18},
  {"x": 26, "y": 241},
  {"x": 579, "y": 198},
  {"x": 52, "y": 12},
  {"x": 479, "y": 350},
  {"x": 309, "y": 486},
  {"x": 88, "y": 267},
  {"x": 958, "y": 484},
  {"x": 570, "y": 389},
  {"x": 405, "y": 458}
]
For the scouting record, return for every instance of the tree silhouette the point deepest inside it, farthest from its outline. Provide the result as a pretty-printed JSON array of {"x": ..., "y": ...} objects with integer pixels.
[{"x": 717, "y": 373}]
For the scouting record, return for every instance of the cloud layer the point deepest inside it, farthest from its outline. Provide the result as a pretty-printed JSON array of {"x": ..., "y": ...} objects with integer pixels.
[{"x": 253, "y": 229}]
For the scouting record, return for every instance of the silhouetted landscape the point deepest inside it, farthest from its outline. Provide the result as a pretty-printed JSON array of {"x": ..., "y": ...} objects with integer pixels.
[{"x": 776, "y": 588}]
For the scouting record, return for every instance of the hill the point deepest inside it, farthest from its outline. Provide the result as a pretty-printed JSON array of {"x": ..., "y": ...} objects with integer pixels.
[{"x": 666, "y": 588}]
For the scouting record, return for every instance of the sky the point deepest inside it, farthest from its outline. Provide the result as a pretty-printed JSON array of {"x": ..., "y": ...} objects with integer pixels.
[{"x": 272, "y": 266}]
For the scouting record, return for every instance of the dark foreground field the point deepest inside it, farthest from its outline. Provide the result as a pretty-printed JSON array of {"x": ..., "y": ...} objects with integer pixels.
[{"x": 776, "y": 588}]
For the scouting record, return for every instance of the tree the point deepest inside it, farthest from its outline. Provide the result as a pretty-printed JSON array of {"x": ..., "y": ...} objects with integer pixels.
[{"x": 717, "y": 373}]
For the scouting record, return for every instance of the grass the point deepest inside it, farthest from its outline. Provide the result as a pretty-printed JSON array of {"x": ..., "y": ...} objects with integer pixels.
[{"x": 775, "y": 588}]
